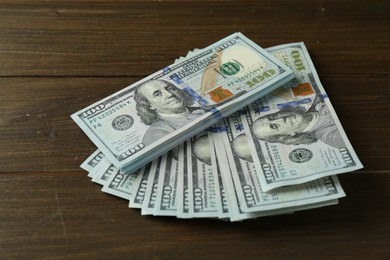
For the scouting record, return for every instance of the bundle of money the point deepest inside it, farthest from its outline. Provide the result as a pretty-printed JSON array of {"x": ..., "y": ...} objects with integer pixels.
[
  {"x": 146, "y": 119},
  {"x": 277, "y": 154}
]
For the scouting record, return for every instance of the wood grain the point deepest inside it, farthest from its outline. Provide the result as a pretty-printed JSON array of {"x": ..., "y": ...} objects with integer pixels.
[
  {"x": 58, "y": 57},
  {"x": 68, "y": 217},
  {"x": 135, "y": 38}
]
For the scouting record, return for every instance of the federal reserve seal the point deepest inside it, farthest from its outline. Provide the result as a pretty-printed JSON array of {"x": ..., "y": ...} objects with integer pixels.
[
  {"x": 300, "y": 155},
  {"x": 122, "y": 122}
]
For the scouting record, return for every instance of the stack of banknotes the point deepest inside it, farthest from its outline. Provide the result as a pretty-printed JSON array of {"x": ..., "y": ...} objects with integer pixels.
[{"x": 230, "y": 131}]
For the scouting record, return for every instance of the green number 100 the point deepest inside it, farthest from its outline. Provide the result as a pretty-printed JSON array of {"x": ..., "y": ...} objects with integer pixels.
[{"x": 297, "y": 61}]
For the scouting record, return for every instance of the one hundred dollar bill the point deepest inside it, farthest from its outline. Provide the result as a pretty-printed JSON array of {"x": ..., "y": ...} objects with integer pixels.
[
  {"x": 202, "y": 179},
  {"x": 295, "y": 130},
  {"x": 121, "y": 184},
  {"x": 231, "y": 198},
  {"x": 151, "y": 190},
  {"x": 140, "y": 186},
  {"x": 235, "y": 202},
  {"x": 222, "y": 204},
  {"x": 103, "y": 172},
  {"x": 247, "y": 183},
  {"x": 90, "y": 163},
  {"x": 166, "y": 199},
  {"x": 183, "y": 200},
  {"x": 152, "y": 116}
]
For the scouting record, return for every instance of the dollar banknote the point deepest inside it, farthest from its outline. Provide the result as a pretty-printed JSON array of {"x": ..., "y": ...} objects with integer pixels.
[
  {"x": 90, "y": 163},
  {"x": 232, "y": 201},
  {"x": 183, "y": 200},
  {"x": 170, "y": 168},
  {"x": 140, "y": 186},
  {"x": 202, "y": 179},
  {"x": 222, "y": 207},
  {"x": 103, "y": 172},
  {"x": 295, "y": 130},
  {"x": 235, "y": 201},
  {"x": 246, "y": 180},
  {"x": 149, "y": 202},
  {"x": 150, "y": 117},
  {"x": 121, "y": 184}
]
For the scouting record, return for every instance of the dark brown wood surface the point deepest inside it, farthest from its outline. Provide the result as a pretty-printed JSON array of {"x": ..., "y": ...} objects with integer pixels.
[{"x": 58, "y": 57}]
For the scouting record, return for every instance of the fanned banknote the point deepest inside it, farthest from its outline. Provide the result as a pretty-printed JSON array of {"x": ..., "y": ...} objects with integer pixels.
[
  {"x": 121, "y": 184},
  {"x": 222, "y": 207},
  {"x": 140, "y": 186},
  {"x": 149, "y": 202},
  {"x": 150, "y": 117},
  {"x": 246, "y": 181},
  {"x": 279, "y": 202},
  {"x": 94, "y": 159},
  {"x": 202, "y": 179},
  {"x": 103, "y": 171},
  {"x": 182, "y": 187},
  {"x": 170, "y": 167},
  {"x": 297, "y": 134}
]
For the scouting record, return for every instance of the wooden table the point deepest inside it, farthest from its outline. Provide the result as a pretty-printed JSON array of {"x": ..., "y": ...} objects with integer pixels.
[{"x": 57, "y": 58}]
